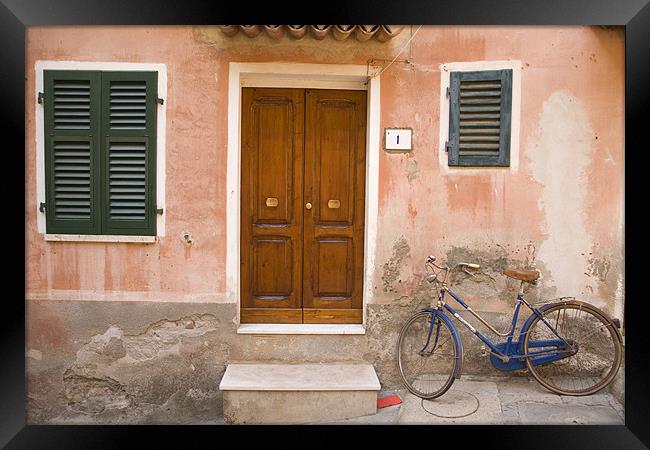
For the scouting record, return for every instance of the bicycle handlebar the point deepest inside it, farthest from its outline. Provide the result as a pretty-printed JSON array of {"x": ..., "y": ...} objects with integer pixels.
[{"x": 431, "y": 259}]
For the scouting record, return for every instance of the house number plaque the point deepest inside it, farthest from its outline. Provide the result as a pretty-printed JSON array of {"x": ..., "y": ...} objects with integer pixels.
[{"x": 398, "y": 139}]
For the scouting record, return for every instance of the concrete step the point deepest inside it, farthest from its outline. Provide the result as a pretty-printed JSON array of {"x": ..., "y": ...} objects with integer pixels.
[{"x": 257, "y": 393}]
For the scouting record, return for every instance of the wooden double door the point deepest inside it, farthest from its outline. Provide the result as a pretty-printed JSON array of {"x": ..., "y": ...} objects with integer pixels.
[{"x": 302, "y": 205}]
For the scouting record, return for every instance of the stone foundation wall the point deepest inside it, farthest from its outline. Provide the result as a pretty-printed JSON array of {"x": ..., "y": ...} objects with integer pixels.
[{"x": 148, "y": 362}]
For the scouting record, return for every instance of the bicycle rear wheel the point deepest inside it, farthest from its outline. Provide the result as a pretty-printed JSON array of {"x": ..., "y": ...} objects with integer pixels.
[
  {"x": 594, "y": 346},
  {"x": 427, "y": 355}
]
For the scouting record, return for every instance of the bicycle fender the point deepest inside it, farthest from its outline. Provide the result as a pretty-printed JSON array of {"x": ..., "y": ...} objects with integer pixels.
[{"x": 456, "y": 335}]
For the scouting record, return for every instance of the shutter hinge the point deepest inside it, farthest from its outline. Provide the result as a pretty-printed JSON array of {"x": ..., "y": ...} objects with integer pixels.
[
  {"x": 41, "y": 207},
  {"x": 448, "y": 92},
  {"x": 40, "y": 98},
  {"x": 448, "y": 145},
  {"x": 159, "y": 210},
  {"x": 160, "y": 101}
]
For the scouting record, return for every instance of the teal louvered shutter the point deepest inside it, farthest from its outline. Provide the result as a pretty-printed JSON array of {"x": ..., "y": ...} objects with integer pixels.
[
  {"x": 129, "y": 101},
  {"x": 480, "y": 107},
  {"x": 71, "y": 122}
]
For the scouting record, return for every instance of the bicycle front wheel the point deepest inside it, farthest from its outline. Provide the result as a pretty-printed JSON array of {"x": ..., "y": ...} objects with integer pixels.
[
  {"x": 427, "y": 355},
  {"x": 592, "y": 354}
]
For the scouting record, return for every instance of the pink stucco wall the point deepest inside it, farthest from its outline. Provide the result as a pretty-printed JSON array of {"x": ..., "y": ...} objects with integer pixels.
[{"x": 561, "y": 210}]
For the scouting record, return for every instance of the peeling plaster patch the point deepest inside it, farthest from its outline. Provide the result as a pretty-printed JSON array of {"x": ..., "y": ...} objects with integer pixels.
[
  {"x": 111, "y": 371},
  {"x": 411, "y": 169},
  {"x": 105, "y": 347},
  {"x": 393, "y": 266},
  {"x": 619, "y": 301},
  {"x": 93, "y": 395},
  {"x": 488, "y": 283},
  {"x": 165, "y": 336},
  {"x": 599, "y": 267},
  {"x": 488, "y": 289},
  {"x": 34, "y": 354},
  {"x": 530, "y": 254},
  {"x": 496, "y": 259},
  {"x": 559, "y": 160}
]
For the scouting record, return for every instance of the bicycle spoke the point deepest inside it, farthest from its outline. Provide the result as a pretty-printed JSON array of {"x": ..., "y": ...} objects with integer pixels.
[
  {"x": 444, "y": 342},
  {"x": 597, "y": 350},
  {"x": 605, "y": 325}
]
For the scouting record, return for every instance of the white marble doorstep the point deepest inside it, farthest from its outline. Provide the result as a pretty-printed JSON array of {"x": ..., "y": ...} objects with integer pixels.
[{"x": 300, "y": 377}]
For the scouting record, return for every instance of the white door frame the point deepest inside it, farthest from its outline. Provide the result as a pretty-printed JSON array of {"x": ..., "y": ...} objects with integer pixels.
[{"x": 293, "y": 75}]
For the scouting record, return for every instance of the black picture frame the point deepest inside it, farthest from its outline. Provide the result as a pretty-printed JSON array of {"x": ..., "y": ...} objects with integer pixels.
[{"x": 16, "y": 15}]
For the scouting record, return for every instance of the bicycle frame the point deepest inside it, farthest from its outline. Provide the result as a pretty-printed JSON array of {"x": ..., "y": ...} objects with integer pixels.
[
  {"x": 528, "y": 350},
  {"x": 511, "y": 355}
]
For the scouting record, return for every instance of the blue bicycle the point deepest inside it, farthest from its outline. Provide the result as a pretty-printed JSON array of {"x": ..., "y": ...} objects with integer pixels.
[{"x": 569, "y": 346}]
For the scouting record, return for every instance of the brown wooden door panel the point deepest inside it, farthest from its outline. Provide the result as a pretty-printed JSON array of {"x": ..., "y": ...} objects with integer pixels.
[
  {"x": 331, "y": 160},
  {"x": 335, "y": 153},
  {"x": 333, "y": 269},
  {"x": 272, "y": 162},
  {"x": 271, "y": 224},
  {"x": 271, "y": 256}
]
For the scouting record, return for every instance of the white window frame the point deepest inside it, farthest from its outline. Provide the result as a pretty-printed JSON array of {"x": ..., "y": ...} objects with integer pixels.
[
  {"x": 39, "y": 67},
  {"x": 475, "y": 66}
]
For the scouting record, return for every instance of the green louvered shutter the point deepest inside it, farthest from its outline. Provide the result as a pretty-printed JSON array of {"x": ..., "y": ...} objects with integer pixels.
[
  {"x": 129, "y": 101},
  {"x": 480, "y": 105},
  {"x": 71, "y": 122}
]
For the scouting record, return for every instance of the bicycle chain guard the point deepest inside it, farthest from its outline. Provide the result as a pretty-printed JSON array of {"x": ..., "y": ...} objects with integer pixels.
[{"x": 512, "y": 364}]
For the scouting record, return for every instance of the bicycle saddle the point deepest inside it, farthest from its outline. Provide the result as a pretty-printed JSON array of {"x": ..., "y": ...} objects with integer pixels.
[{"x": 521, "y": 274}]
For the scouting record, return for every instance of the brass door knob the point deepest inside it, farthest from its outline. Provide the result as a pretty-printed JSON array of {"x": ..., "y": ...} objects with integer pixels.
[{"x": 308, "y": 206}]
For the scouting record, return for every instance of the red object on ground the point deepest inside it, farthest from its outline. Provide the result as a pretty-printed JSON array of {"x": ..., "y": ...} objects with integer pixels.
[{"x": 388, "y": 401}]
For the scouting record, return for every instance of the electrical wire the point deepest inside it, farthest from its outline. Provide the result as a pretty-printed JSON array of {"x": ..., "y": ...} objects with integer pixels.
[{"x": 398, "y": 53}]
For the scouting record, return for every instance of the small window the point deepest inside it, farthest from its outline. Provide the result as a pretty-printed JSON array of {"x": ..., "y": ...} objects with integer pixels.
[
  {"x": 480, "y": 105},
  {"x": 100, "y": 152}
]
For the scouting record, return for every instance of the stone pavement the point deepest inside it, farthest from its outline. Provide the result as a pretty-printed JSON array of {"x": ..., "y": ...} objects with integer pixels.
[{"x": 500, "y": 401}]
